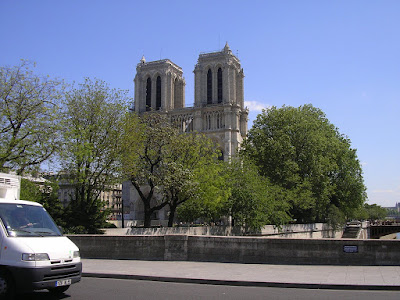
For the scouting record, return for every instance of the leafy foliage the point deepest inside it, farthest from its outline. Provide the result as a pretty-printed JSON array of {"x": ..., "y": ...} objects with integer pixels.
[
  {"x": 29, "y": 113},
  {"x": 335, "y": 218},
  {"x": 30, "y": 191},
  {"x": 144, "y": 165},
  {"x": 49, "y": 200},
  {"x": 236, "y": 190},
  {"x": 93, "y": 120},
  {"x": 299, "y": 150},
  {"x": 372, "y": 212},
  {"x": 190, "y": 156},
  {"x": 211, "y": 197},
  {"x": 166, "y": 168},
  {"x": 254, "y": 200}
]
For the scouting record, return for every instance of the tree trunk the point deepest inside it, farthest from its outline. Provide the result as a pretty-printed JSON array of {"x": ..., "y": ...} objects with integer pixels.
[
  {"x": 171, "y": 217},
  {"x": 146, "y": 203},
  {"x": 147, "y": 219}
]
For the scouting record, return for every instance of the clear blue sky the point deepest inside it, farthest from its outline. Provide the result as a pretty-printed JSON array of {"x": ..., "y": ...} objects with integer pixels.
[{"x": 341, "y": 56}]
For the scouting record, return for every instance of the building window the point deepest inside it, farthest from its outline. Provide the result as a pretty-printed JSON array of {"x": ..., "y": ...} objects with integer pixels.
[
  {"x": 209, "y": 87},
  {"x": 219, "y": 120},
  {"x": 221, "y": 156},
  {"x": 158, "y": 93},
  {"x": 148, "y": 94},
  {"x": 219, "y": 84}
]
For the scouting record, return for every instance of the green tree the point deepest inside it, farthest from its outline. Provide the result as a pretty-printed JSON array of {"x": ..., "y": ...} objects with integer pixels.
[
  {"x": 30, "y": 191},
  {"x": 209, "y": 202},
  {"x": 94, "y": 120},
  {"x": 165, "y": 169},
  {"x": 143, "y": 166},
  {"x": 29, "y": 113},
  {"x": 49, "y": 200},
  {"x": 236, "y": 190},
  {"x": 189, "y": 156},
  {"x": 299, "y": 150},
  {"x": 375, "y": 212},
  {"x": 254, "y": 201},
  {"x": 335, "y": 217}
]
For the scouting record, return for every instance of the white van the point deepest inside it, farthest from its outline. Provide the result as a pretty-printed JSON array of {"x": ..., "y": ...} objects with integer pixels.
[{"x": 34, "y": 254}]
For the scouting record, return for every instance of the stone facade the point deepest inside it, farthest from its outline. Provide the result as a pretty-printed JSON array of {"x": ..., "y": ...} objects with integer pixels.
[
  {"x": 218, "y": 110},
  {"x": 110, "y": 195},
  {"x": 258, "y": 250},
  {"x": 159, "y": 85}
]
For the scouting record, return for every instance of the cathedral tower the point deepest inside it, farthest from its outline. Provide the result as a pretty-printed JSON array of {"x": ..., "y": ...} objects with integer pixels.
[
  {"x": 218, "y": 110},
  {"x": 159, "y": 85},
  {"x": 219, "y": 96},
  {"x": 218, "y": 79}
]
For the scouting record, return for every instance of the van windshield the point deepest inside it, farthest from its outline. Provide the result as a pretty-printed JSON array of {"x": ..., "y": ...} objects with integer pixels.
[{"x": 22, "y": 220}]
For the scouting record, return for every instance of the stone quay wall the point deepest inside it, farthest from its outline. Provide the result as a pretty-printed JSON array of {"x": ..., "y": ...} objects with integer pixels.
[
  {"x": 302, "y": 231},
  {"x": 240, "y": 249}
]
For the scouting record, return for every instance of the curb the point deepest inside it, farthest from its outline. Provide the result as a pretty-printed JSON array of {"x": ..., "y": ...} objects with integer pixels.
[{"x": 244, "y": 283}]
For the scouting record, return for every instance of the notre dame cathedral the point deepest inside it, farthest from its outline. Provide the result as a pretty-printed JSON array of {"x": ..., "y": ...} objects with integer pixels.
[{"x": 218, "y": 110}]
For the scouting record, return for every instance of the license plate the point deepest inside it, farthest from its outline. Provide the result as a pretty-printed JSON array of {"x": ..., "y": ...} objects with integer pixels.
[{"x": 63, "y": 282}]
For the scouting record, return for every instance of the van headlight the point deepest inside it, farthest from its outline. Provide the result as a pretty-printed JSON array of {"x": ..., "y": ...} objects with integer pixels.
[
  {"x": 76, "y": 254},
  {"x": 35, "y": 256}
]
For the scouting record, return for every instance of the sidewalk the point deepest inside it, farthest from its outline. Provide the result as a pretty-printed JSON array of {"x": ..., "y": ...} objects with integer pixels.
[{"x": 299, "y": 276}]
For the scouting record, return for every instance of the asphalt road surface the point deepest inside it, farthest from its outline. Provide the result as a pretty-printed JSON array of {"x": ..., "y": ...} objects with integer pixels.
[{"x": 113, "y": 289}]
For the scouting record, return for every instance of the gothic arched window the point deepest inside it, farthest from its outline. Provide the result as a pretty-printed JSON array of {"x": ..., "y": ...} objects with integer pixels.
[
  {"x": 219, "y": 85},
  {"x": 221, "y": 155},
  {"x": 177, "y": 103},
  {"x": 158, "y": 93},
  {"x": 148, "y": 94},
  {"x": 209, "y": 87}
]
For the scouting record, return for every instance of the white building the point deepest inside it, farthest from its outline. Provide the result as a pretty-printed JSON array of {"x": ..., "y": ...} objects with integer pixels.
[{"x": 10, "y": 186}]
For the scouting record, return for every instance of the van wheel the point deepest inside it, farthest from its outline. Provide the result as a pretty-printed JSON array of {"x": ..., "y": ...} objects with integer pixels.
[
  {"x": 7, "y": 288},
  {"x": 59, "y": 290}
]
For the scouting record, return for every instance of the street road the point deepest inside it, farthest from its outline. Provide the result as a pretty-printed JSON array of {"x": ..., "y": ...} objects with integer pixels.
[{"x": 109, "y": 289}]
